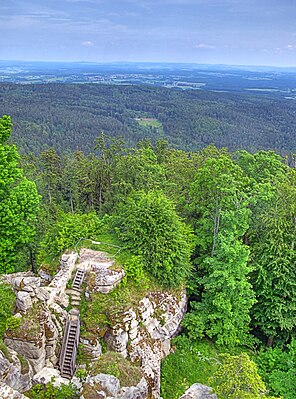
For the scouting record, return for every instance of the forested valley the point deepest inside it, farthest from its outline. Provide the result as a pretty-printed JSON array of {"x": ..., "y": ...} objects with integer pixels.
[
  {"x": 69, "y": 117},
  {"x": 220, "y": 222}
]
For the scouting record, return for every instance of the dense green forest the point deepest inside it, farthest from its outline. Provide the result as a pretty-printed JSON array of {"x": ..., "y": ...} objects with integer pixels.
[
  {"x": 221, "y": 222},
  {"x": 69, "y": 117}
]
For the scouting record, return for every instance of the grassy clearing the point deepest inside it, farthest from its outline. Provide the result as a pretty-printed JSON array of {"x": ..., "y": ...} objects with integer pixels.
[{"x": 150, "y": 122}]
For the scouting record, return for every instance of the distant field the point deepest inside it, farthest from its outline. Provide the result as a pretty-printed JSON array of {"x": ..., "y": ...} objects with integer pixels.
[{"x": 153, "y": 122}]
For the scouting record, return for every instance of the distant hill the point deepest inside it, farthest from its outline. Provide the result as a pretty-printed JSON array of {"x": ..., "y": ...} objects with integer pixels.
[{"x": 69, "y": 117}]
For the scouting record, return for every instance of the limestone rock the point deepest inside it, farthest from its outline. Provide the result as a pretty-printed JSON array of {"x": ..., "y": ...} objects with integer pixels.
[
  {"x": 23, "y": 301},
  {"x": 42, "y": 294},
  {"x": 103, "y": 277},
  {"x": 108, "y": 383},
  {"x": 199, "y": 391},
  {"x": 33, "y": 351},
  {"x": 138, "y": 392},
  {"x": 11, "y": 372},
  {"x": 48, "y": 374},
  {"x": 6, "y": 392},
  {"x": 92, "y": 347}
]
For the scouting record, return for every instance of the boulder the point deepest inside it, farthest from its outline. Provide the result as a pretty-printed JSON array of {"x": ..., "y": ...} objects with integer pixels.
[
  {"x": 23, "y": 301},
  {"x": 107, "y": 382},
  {"x": 48, "y": 374},
  {"x": 199, "y": 391},
  {"x": 42, "y": 294},
  {"x": 138, "y": 392}
]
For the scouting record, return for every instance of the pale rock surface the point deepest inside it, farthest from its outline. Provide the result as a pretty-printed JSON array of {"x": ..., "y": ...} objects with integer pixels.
[
  {"x": 109, "y": 383},
  {"x": 108, "y": 386},
  {"x": 6, "y": 392},
  {"x": 33, "y": 351},
  {"x": 199, "y": 391},
  {"x": 93, "y": 348},
  {"x": 58, "y": 285},
  {"x": 144, "y": 333},
  {"x": 104, "y": 279},
  {"x": 138, "y": 392},
  {"x": 48, "y": 374},
  {"x": 23, "y": 301},
  {"x": 11, "y": 372}
]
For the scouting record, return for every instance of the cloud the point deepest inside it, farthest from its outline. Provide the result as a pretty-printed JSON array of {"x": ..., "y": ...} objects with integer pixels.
[
  {"x": 290, "y": 47},
  {"x": 88, "y": 43},
  {"x": 204, "y": 46}
]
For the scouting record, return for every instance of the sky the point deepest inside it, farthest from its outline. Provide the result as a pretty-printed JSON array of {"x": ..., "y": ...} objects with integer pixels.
[{"x": 238, "y": 32}]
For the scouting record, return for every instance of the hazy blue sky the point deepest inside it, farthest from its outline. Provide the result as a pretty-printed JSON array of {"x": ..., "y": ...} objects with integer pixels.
[{"x": 261, "y": 32}]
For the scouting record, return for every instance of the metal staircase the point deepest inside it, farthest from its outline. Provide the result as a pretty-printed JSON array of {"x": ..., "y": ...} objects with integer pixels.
[
  {"x": 78, "y": 279},
  {"x": 72, "y": 330},
  {"x": 70, "y": 345}
]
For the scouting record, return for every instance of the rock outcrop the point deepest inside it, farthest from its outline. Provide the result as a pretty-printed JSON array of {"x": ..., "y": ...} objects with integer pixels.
[
  {"x": 15, "y": 372},
  {"x": 107, "y": 386},
  {"x": 199, "y": 391},
  {"x": 104, "y": 276},
  {"x": 144, "y": 333}
]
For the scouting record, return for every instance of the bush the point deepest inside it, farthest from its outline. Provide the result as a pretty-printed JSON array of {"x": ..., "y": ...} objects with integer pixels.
[
  {"x": 278, "y": 369},
  {"x": 150, "y": 228},
  {"x": 13, "y": 323},
  {"x": 68, "y": 230},
  {"x": 49, "y": 391}
]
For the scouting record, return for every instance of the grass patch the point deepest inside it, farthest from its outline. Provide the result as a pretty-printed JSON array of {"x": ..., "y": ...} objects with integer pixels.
[{"x": 128, "y": 373}]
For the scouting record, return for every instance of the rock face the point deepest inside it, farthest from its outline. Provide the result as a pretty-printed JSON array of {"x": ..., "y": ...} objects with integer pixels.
[
  {"x": 39, "y": 338},
  {"x": 13, "y": 373},
  {"x": 199, "y": 391},
  {"x": 48, "y": 374},
  {"x": 144, "y": 333},
  {"x": 58, "y": 285},
  {"x": 41, "y": 346},
  {"x": 108, "y": 386}
]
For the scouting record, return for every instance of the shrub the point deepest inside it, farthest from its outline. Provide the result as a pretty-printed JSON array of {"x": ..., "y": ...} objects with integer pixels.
[{"x": 150, "y": 228}]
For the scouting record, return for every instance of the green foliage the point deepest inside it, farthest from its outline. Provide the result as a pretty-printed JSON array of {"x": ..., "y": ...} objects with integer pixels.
[
  {"x": 13, "y": 323},
  {"x": 278, "y": 369},
  {"x": 219, "y": 206},
  {"x": 69, "y": 116},
  {"x": 68, "y": 230},
  {"x": 272, "y": 239},
  {"x": 237, "y": 378},
  {"x": 7, "y": 304},
  {"x": 190, "y": 362},
  {"x": 134, "y": 268},
  {"x": 49, "y": 391},
  {"x": 19, "y": 202},
  {"x": 149, "y": 226}
]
